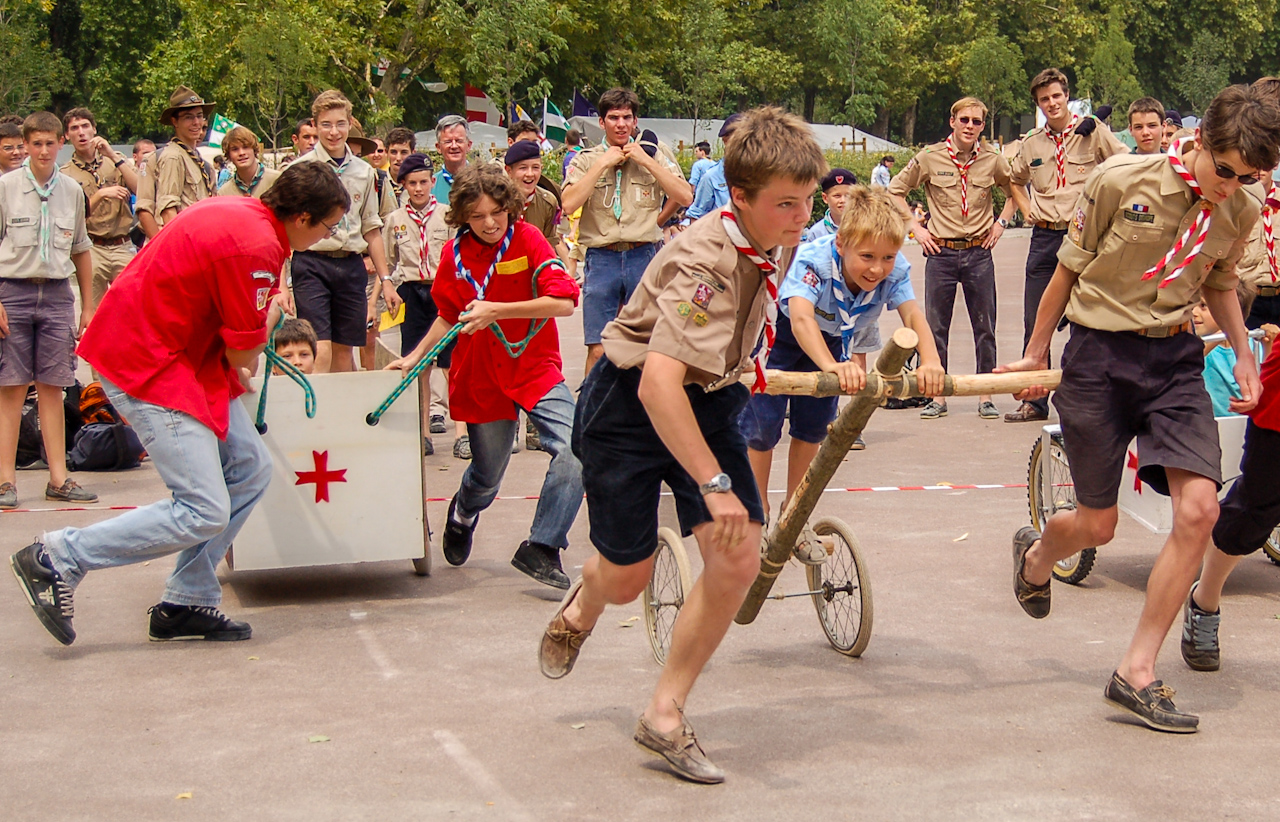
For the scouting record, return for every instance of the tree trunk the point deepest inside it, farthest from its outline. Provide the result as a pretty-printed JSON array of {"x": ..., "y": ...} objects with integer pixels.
[
  {"x": 880, "y": 127},
  {"x": 810, "y": 97},
  {"x": 909, "y": 125}
]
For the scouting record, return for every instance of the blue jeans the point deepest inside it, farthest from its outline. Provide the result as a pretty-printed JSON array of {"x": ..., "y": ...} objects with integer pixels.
[
  {"x": 215, "y": 485},
  {"x": 561, "y": 495},
  {"x": 608, "y": 280}
]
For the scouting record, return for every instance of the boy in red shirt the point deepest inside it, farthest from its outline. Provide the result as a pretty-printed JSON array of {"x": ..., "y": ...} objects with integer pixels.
[
  {"x": 175, "y": 340},
  {"x": 499, "y": 272}
]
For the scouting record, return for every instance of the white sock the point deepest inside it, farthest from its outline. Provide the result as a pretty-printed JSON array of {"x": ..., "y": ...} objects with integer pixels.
[{"x": 461, "y": 520}]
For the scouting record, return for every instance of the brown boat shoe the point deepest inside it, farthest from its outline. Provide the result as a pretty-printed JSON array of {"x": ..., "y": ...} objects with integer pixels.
[
  {"x": 559, "y": 647},
  {"x": 1034, "y": 599},
  {"x": 681, "y": 750}
]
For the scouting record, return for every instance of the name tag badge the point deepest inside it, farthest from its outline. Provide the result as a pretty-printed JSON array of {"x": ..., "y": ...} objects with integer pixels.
[
  {"x": 18, "y": 222},
  {"x": 513, "y": 266},
  {"x": 1139, "y": 216}
]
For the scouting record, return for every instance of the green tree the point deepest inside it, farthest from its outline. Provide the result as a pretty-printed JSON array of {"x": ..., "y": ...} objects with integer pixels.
[
  {"x": 992, "y": 71},
  {"x": 1111, "y": 75},
  {"x": 121, "y": 36},
  {"x": 510, "y": 43},
  {"x": 30, "y": 72},
  {"x": 1204, "y": 72},
  {"x": 853, "y": 32}
]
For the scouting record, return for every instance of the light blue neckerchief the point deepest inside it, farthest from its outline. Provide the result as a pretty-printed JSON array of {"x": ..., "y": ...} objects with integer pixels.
[
  {"x": 847, "y": 304},
  {"x": 46, "y": 223}
]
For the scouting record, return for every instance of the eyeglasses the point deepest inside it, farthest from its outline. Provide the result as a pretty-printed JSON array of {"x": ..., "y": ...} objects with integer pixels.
[
  {"x": 1227, "y": 172},
  {"x": 965, "y": 121},
  {"x": 333, "y": 229}
]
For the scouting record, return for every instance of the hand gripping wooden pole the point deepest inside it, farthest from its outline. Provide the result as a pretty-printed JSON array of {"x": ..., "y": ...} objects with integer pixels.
[{"x": 841, "y": 433}]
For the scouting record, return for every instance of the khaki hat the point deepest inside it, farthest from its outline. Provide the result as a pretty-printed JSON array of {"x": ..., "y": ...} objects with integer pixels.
[
  {"x": 356, "y": 139},
  {"x": 184, "y": 98}
]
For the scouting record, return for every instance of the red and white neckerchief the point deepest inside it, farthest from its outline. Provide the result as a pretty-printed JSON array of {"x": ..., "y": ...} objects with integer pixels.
[
  {"x": 963, "y": 168},
  {"x": 421, "y": 220},
  {"x": 1268, "y": 210},
  {"x": 1060, "y": 147},
  {"x": 1199, "y": 228},
  {"x": 769, "y": 272}
]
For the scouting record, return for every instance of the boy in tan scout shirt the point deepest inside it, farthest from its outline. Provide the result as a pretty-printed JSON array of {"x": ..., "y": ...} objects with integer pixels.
[
  {"x": 329, "y": 279},
  {"x": 1151, "y": 236},
  {"x": 183, "y": 177},
  {"x": 619, "y": 188},
  {"x": 251, "y": 177},
  {"x": 958, "y": 175},
  {"x": 1055, "y": 160},
  {"x": 43, "y": 242},
  {"x": 663, "y": 404},
  {"x": 107, "y": 181}
]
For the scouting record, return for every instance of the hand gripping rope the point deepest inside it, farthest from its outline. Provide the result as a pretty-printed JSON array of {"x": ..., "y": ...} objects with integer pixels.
[
  {"x": 513, "y": 350},
  {"x": 274, "y": 360}
]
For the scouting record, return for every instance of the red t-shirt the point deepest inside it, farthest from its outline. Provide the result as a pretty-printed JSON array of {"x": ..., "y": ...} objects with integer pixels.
[
  {"x": 1266, "y": 414},
  {"x": 202, "y": 285},
  {"x": 486, "y": 383}
]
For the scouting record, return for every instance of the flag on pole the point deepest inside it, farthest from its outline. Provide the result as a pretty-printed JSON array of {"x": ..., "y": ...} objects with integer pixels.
[
  {"x": 480, "y": 109},
  {"x": 219, "y": 128},
  {"x": 554, "y": 126},
  {"x": 582, "y": 106},
  {"x": 518, "y": 114}
]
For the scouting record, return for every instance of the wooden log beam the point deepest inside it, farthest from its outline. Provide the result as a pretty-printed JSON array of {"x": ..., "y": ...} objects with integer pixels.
[
  {"x": 841, "y": 433},
  {"x": 903, "y": 385}
]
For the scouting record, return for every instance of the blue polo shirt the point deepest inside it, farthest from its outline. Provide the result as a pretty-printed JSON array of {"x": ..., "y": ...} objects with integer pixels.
[
  {"x": 699, "y": 168},
  {"x": 712, "y": 193},
  {"x": 813, "y": 276},
  {"x": 444, "y": 184},
  {"x": 823, "y": 228}
]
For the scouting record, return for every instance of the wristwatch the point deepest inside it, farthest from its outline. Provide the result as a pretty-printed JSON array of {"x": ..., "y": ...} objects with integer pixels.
[
  {"x": 1003, "y": 222},
  {"x": 719, "y": 484}
]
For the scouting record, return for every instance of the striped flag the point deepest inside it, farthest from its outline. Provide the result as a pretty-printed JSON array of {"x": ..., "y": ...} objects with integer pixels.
[
  {"x": 480, "y": 109},
  {"x": 219, "y": 128},
  {"x": 554, "y": 126}
]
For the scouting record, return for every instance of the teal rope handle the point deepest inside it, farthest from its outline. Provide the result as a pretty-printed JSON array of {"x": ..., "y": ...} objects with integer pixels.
[
  {"x": 274, "y": 359},
  {"x": 514, "y": 350}
]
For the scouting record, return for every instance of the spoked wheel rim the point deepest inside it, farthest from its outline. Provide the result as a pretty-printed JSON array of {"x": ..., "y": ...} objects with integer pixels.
[
  {"x": 665, "y": 594},
  {"x": 1051, "y": 490},
  {"x": 842, "y": 590}
]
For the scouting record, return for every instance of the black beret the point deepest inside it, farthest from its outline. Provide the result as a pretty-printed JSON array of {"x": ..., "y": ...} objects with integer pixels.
[
  {"x": 729, "y": 123},
  {"x": 1174, "y": 117},
  {"x": 838, "y": 177},
  {"x": 649, "y": 142},
  {"x": 412, "y": 163},
  {"x": 522, "y": 150}
]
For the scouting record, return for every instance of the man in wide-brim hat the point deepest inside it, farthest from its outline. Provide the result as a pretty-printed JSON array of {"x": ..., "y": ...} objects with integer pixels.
[{"x": 183, "y": 177}]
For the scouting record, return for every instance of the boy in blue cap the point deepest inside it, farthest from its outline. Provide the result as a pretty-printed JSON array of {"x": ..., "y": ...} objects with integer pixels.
[{"x": 835, "y": 193}]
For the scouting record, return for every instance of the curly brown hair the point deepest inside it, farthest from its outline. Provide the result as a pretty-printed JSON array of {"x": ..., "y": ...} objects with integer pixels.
[{"x": 474, "y": 182}]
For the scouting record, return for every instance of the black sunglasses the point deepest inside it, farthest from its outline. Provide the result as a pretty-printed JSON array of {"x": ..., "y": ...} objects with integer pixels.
[
  {"x": 970, "y": 121},
  {"x": 1227, "y": 172}
]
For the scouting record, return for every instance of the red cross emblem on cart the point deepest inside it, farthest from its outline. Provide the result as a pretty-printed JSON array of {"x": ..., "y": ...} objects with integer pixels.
[
  {"x": 322, "y": 476},
  {"x": 1133, "y": 463}
]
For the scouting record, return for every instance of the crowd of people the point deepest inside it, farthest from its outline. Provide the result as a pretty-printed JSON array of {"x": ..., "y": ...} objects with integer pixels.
[{"x": 689, "y": 293}]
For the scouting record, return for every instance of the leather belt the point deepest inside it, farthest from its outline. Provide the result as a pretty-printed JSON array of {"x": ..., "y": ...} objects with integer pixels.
[
  {"x": 1268, "y": 291},
  {"x": 624, "y": 246},
  {"x": 959, "y": 245},
  {"x": 109, "y": 241},
  {"x": 336, "y": 255},
  {"x": 1164, "y": 331},
  {"x": 37, "y": 280},
  {"x": 1048, "y": 226}
]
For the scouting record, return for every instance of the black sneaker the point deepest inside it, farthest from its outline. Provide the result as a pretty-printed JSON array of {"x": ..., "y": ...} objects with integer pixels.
[
  {"x": 437, "y": 424},
  {"x": 1200, "y": 636},
  {"x": 171, "y": 622},
  {"x": 1153, "y": 705},
  {"x": 50, "y": 597},
  {"x": 1034, "y": 599},
  {"x": 542, "y": 562},
  {"x": 456, "y": 540}
]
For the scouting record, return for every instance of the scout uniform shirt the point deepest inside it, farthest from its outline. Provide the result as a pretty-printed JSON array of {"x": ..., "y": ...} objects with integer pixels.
[
  {"x": 543, "y": 212},
  {"x": 402, "y": 242},
  {"x": 110, "y": 218},
  {"x": 362, "y": 217},
  {"x": 234, "y": 187},
  {"x": 942, "y": 188},
  {"x": 640, "y": 200},
  {"x": 1036, "y": 163},
  {"x": 180, "y": 181},
  {"x": 701, "y": 302},
  {"x": 21, "y": 233},
  {"x": 145, "y": 199},
  {"x": 1130, "y": 214},
  {"x": 1254, "y": 267}
]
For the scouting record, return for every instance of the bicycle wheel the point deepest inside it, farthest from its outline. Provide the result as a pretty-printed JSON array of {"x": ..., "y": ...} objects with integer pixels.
[
  {"x": 1050, "y": 489},
  {"x": 843, "y": 589},
  {"x": 1272, "y": 546},
  {"x": 668, "y": 587}
]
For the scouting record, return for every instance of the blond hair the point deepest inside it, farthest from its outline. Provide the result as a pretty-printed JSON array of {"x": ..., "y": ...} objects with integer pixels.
[
  {"x": 241, "y": 136},
  {"x": 968, "y": 102},
  {"x": 329, "y": 100},
  {"x": 869, "y": 215},
  {"x": 768, "y": 142}
]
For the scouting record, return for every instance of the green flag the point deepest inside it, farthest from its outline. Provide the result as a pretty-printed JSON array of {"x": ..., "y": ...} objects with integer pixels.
[
  {"x": 554, "y": 126},
  {"x": 219, "y": 128}
]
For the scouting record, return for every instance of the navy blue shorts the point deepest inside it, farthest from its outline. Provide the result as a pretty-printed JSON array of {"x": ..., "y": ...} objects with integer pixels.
[
  {"x": 761, "y": 420},
  {"x": 625, "y": 462},
  {"x": 420, "y": 314},
  {"x": 329, "y": 294}
]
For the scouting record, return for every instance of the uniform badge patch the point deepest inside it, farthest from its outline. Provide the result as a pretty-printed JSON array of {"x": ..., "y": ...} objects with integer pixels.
[
  {"x": 684, "y": 309},
  {"x": 702, "y": 295},
  {"x": 700, "y": 319},
  {"x": 263, "y": 295},
  {"x": 811, "y": 279},
  {"x": 709, "y": 280},
  {"x": 1037, "y": 162},
  {"x": 264, "y": 275},
  {"x": 1078, "y": 222}
]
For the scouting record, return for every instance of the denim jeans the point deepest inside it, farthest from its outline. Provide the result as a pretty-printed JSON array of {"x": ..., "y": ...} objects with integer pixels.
[
  {"x": 215, "y": 485},
  {"x": 609, "y": 278},
  {"x": 1042, "y": 261},
  {"x": 561, "y": 495},
  {"x": 972, "y": 270}
]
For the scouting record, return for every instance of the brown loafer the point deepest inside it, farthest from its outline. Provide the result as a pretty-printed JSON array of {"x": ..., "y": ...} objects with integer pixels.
[
  {"x": 681, "y": 750},
  {"x": 560, "y": 645},
  {"x": 1034, "y": 599},
  {"x": 1026, "y": 413},
  {"x": 69, "y": 491}
]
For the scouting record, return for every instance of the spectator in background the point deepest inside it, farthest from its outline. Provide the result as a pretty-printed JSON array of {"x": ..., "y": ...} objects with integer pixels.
[
  {"x": 304, "y": 137},
  {"x": 250, "y": 178},
  {"x": 1172, "y": 125},
  {"x": 401, "y": 142},
  {"x": 572, "y": 145},
  {"x": 12, "y": 150},
  {"x": 1145, "y": 124},
  {"x": 453, "y": 141},
  {"x": 183, "y": 177},
  {"x": 836, "y": 187},
  {"x": 712, "y": 191},
  {"x": 142, "y": 151},
  {"x": 702, "y": 162},
  {"x": 882, "y": 173},
  {"x": 377, "y": 156}
]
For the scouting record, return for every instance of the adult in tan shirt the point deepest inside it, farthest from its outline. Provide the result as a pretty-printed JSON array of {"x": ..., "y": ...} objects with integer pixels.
[
  {"x": 620, "y": 189},
  {"x": 958, "y": 176},
  {"x": 107, "y": 180},
  {"x": 251, "y": 177},
  {"x": 183, "y": 177},
  {"x": 1054, "y": 161}
]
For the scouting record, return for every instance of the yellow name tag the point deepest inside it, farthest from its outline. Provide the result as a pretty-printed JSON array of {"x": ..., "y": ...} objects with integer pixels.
[{"x": 513, "y": 266}]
